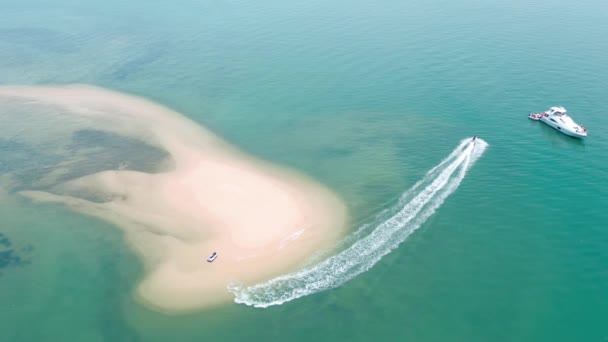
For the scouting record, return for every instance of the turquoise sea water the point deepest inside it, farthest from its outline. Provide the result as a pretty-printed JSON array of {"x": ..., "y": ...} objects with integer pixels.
[{"x": 366, "y": 97}]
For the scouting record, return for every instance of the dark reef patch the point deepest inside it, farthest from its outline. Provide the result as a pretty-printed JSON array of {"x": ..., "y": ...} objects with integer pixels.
[
  {"x": 112, "y": 151},
  {"x": 10, "y": 256},
  {"x": 140, "y": 60},
  {"x": 25, "y": 163},
  {"x": 88, "y": 151}
]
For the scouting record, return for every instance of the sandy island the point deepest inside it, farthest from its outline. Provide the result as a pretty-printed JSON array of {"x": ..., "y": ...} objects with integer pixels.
[{"x": 261, "y": 219}]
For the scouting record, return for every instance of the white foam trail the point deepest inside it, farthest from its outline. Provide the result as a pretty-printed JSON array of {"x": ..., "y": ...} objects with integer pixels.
[
  {"x": 291, "y": 237},
  {"x": 416, "y": 206}
]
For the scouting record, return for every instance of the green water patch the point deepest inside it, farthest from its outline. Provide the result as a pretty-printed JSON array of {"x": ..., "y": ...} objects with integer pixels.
[
  {"x": 74, "y": 284},
  {"x": 517, "y": 253},
  {"x": 40, "y": 39}
]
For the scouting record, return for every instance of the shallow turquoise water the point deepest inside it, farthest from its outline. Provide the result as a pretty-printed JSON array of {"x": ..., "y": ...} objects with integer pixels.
[{"x": 365, "y": 97}]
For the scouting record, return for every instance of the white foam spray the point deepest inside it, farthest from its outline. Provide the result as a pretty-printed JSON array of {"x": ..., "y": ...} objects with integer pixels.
[{"x": 414, "y": 207}]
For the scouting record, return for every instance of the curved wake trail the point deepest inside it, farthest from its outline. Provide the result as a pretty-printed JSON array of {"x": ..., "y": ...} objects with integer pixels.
[{"x": 414, "y": 207}]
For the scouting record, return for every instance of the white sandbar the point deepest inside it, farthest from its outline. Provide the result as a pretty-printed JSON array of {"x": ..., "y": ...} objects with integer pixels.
[{"x": 261, "y": 219}]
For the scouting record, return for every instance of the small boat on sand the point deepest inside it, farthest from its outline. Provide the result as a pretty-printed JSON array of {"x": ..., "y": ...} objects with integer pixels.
[{"x": 212, "y": 257}]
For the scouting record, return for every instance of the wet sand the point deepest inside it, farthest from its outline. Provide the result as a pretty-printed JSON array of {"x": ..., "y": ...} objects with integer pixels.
[{"x": 261, "y": 219}]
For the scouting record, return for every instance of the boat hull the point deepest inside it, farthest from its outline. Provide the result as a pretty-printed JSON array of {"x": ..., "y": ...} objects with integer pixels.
[{"x": 562, "y": 129}]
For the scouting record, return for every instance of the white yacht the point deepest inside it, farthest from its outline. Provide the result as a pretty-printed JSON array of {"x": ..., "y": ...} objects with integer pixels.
[{"x": 557, "y": 118}]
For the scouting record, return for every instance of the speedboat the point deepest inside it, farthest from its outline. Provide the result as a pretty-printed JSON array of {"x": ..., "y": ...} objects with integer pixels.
[
  {"x": 212, "y": 257},
  {"x": 557, "y": 118}
]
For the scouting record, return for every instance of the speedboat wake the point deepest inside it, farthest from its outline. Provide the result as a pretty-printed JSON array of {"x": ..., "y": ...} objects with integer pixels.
[{"x": 414, "y": 207}]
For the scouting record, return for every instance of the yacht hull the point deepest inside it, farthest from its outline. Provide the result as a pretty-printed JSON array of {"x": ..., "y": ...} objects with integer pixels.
[{"x": 563, "y": 129}]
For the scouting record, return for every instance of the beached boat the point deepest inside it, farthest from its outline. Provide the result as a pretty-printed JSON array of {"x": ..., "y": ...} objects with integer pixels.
[
  {"x": 212, "y": 257},
  {"x": 557, "y": 118}
]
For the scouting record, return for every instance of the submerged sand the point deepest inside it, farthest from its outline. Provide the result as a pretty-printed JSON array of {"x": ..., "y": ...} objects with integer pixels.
[{"x": 261, "y": 219}]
